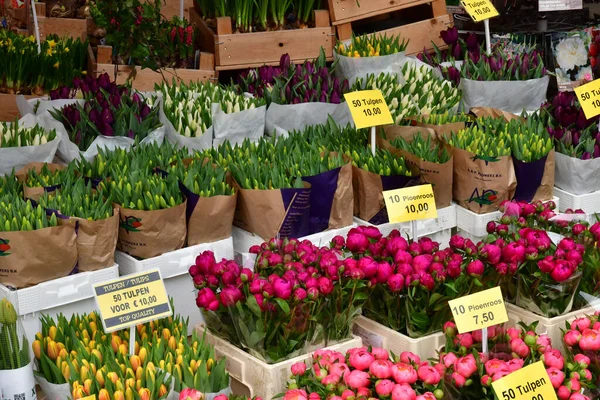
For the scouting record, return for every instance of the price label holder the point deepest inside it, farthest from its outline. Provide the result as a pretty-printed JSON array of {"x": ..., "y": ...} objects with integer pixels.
[
  {"x": 479, "y": 311},
  {"x": 410, "y": 204},
  {"x": 529, "y": 383},
  {"x": 369, "y": 110},
  {"x": 131, "y": 300},
  {"x": 589, "y": 98},
  {"x": 481, "y": 10}
]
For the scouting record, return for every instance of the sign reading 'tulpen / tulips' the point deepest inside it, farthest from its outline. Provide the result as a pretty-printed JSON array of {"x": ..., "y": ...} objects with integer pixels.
[
  {"x": 368, "y": 108},
  {"x": 529, "y": 383},
  {"x": 589, "y": 98},
  {"x": 479, "y": 10},
  {"x": 479, "y": 310},
  {"x": 410, "y": 204},
  {"x": 131, "y": 300}
]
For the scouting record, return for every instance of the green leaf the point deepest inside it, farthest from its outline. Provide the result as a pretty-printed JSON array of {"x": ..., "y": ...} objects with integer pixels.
[{"x": 284, "y": 305}]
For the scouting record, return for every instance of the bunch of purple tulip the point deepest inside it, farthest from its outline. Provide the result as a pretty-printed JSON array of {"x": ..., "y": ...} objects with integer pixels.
[
  {"x": 288, "y": 83},
  {"x": 458, "y": 48}
]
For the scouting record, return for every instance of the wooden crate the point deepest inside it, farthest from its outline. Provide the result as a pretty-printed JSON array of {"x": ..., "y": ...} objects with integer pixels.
[
  {"x": 344, "y": 13},
  {"x": 144, "y": 79},
  {"x": 8, "y": 107},
  {"x": 247, "y": 50},
  {"x": 77, "y": 28}
]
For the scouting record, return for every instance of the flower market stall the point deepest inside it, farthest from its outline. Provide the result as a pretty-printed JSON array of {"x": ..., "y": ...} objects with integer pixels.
[{"x": 296, "y": 199}]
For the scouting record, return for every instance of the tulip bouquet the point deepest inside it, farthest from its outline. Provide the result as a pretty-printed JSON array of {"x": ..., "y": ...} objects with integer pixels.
[
  {"x": 363, "y": 372},
  {"x": 294, "y": 84},
  {"x": 79, "y": 201},
  {"x": 424, "y": 149},
  {"x": 10, "y": 185},
  {"x": 483, "y": 150},
  {"x": 147, "y": 193},
  {"x": 500, "y": 67},
  {"x": 263, "y": 15},
  {"x": 20, "y": 215},
  {"x": 24, "y": 71},
  {"x": 14, "y": 350},
  {"x": 549, "y": 279},
  {"x": 458, "y": 48},
  {"x": 112, "y": 110},
  {"x": 469, "y": 374},
  {"x": 46, "y": 179},
  {"x": 274, "y": 319},
  {"x": 371, "y": 46},
  {"x": 13, "y": 135},
  {"x": 257, "y": 175},
  {"x": 441, "y": 119}
]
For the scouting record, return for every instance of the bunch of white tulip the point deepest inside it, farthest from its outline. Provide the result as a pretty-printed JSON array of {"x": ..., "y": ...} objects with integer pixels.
[{"x": 12, "y": 135}]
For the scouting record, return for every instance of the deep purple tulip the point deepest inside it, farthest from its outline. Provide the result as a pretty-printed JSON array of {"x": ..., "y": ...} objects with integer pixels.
[
  {"x": 335, "y": 98},
  {"x": 106, "y": 130},
  {"x": 145, "y": 111},
  {"x": 471, "y": 41},
  {"x": 94, "y": 116},
  {"x": 450, "y": 35},
  {"x": 457, "y": 51},
  {"x": 586, "y": 156},
  {"x": 130, "y": 134},
  {"x": 104, "y": 81},
  {"x": 284, "y": 62},
  {"x": 54, "y": 94},
  {"x": 107, "y": 116}
]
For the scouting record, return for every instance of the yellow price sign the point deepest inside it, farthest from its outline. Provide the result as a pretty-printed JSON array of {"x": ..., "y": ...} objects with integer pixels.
[
  {"x": 479, "y": 10},
  {"x": 131, "y": 300},
  {"x": 529, "y": 383},
  {"x": 92, "y": 397},
  {"x": 368, "y": 108},
  {"x": 410, "y": 204},
  {"x": 589, "y": 98},
  {"x": 479, "y": 310}
]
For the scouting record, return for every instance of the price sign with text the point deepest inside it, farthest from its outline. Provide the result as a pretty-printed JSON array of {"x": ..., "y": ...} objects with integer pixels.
[
  {"x": 529, "y": 383},
  {"x": 410, "y": 204},
  {"x": 480, "y": 10},
  {"x": 589, "y": 98},
  {"x": 479, "y": 310},
  {"x": 131, "y": 300},
  {"x": 368, "y": 108}
]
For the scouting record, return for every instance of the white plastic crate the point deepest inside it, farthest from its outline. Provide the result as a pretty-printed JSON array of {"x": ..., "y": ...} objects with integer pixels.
[
  {"x": 262, "y": 379},
  {"x": 445, "y": 221},
  {"x": 243, "y": 240},
  {"x": 550, "y": 326},
  {"x": 473, "y": 226},
  {"x": 589, "y": 203},
  {"x": 69, "y": 295},
  {"x": 376, "y": 335},
  {"x": 174, "y": 267}
]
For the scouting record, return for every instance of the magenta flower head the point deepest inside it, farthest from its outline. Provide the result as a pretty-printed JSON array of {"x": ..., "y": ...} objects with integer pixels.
[
  {"x": 475, "y": 268},
  {"x": 230, "y": 296},
  {"x": 450, "y": 36},
  {"x": 357, "y": 242},
  {"x": 471, "y": 41},
  {"x": 207, "y": 299}
]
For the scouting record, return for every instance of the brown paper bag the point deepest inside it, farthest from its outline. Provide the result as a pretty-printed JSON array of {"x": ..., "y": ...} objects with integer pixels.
[
  {"x": 211, "y": 219},
  {"x": 442, "y": 131},
  {"x": 438, "y": 175},
  {"x": 481, "y": 185},
  {"x": 480, "y": 112},
  {"x": 368, "y": 194},
  {"x": 34, "y": 193},
  {"x": 96, "y": 241},
  {"x": 31, "y": 257},
  {"x": 343, "y": 202},
  {"x": 147, "y": 234},
  {"x": 268, "y": 213}
]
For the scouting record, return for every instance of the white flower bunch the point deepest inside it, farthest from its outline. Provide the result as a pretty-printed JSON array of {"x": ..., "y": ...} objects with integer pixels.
[
  {"x": 188, "y": 108},
  {"x": 422, "y": 94},
  {"x": 11, "y": 135}
]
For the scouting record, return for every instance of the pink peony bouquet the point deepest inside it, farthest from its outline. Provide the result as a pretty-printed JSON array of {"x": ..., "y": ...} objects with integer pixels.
[
  {"x": 468, "y": 373},
  {"x": 411, "y": 282},
  {"x": 582, "y": 338},
  {"x": 364, "y": 373}
]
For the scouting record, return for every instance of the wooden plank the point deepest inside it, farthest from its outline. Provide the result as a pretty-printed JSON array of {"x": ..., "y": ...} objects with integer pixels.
[
  {"x": 206, "y": 36},
  {"x": 344, "y": 11},
  {"x": 171, "y": 8},
  {"x": 422, "y": 33},
  {"x": 268, "y": 47},
  {"x": 71, "y": 27},
  {"x": 8, "y": 107}
]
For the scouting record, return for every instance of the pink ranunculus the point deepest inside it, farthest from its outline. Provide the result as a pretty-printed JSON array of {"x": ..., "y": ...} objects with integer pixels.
[
  {"x": 361, "y": 359},
  {"x": 190, "y": 394},
  {"x": 381, "y": 369},
  {"x": 403, "y": 392},
  {"x": 384, "y": 387},
  {"x": 298, "y": 368},
  {"x": 466, "y": 366},
  {"x": 357, "y": 379},
  {"x": 590, "y": 340},
  {"x": 295, "y": 394},
  {"x": 429, "y": 375}
]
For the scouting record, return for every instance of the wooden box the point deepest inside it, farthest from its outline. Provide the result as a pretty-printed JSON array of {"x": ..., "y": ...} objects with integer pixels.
[
  {"x": 8, "y": 107},
  {"x": 248, "y": 50},
  {"x": 144, "y": 79},
  {"x": 75, "y": 28}
]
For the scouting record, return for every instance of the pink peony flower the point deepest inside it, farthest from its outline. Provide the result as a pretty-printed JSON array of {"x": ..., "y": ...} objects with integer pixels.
[
  {"x": 590, "y": 340},
  {"x": 563, "y": 270},
  {"x": 379, "y": 353},
  {"x": 357, "y": 242},
  {"x": 404, "y": 373},
  {"x": 361, "y": 359},
  {"x": 513, "y": 252},
  {"x": 295, "y": 394},
  {"x": 384, "y": 387},
  {"x": 381, "y": 369},
  {"x": 492, "y": 253},
  {"x": 553, "y": 358},
  {"x": 556, "y": 376},
  {"x": 205, "y": 261},
  {"x": 582, "y": 360},
  {"x": 563, "y": 393},
  {"x": 207, "y": 299},
  {"x": 458, "y": 380},
  {"x": 429, "y": 375},
  {"x": 408, "y": 357},
  {"x": 230, "y": 295},
  {"x": 357, "y": 379},
  {"x": 466, "y": 366},
  {"x": 403, "y": 392},
  {"x": 572, "y": 337},
  {"x": 475, "y": 268},
  {"x": 396, "y": 283},
  {"x": 298, "y": 368}
]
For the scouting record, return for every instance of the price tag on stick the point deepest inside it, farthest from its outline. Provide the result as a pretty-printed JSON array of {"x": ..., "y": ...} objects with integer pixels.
[
  {"x": 410, "y": 204},
  {"x": 529, "y": 383},
  {"x": 131, "y": 300},
  {"x": 479, "y": 311},
  {"x": 480, "y": 10},
  {"x": 589, "y": 98},
  {"x": 369, "y": 109}
]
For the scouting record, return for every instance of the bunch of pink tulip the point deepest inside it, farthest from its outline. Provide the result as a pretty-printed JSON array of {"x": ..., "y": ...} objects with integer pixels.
[
  {"x": 364, "y": 373},
  {"x": 411, "y": 282},
  {"x": 469, "y": 374}
]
